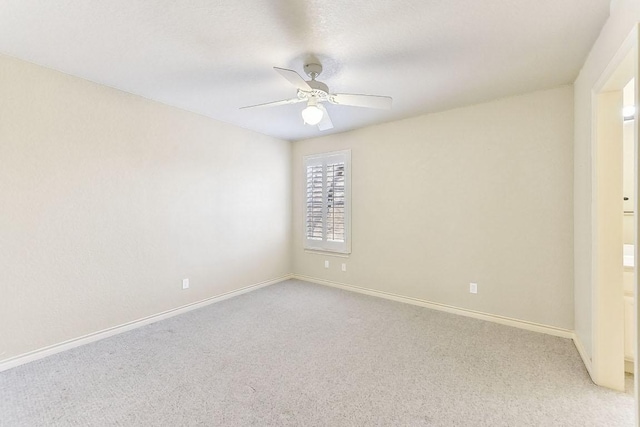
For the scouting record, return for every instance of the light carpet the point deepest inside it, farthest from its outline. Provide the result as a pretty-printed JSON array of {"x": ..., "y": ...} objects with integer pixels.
[{"x": 301, "y": 354}]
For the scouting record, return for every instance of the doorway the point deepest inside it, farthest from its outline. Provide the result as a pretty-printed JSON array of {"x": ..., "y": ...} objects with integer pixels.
[{"x": 615, "y": 172}]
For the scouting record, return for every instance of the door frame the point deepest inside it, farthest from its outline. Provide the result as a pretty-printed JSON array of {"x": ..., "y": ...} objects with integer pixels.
[{"x": 607, "y": 361}]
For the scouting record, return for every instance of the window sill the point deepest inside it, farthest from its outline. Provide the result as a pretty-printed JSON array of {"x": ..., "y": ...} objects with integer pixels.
[{"x": 327, "y": 253}]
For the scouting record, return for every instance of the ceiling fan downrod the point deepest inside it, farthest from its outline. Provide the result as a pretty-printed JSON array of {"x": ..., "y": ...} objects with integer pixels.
[{"x": 313, "y": 70}]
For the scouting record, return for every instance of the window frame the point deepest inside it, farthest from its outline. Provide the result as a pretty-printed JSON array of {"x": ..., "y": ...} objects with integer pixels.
[{"x": 324, "y": 245}]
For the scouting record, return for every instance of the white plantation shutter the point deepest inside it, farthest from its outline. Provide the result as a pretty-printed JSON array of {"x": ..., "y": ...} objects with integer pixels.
[
  {"x": 315, "y": 202},
  {"x": 327, "y": 201}
]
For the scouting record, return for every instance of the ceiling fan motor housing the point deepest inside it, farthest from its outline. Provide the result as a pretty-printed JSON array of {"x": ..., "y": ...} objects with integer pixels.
[
  {"x": 320, "y": 90},
  {"x": 316, "y": 85}
]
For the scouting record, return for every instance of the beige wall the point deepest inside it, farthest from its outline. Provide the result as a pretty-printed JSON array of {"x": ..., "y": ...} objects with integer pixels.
[
  {"x": 480, "y": 194},
  {"x": 109, "y": 200},
  {"x": 625, "y": 14}
]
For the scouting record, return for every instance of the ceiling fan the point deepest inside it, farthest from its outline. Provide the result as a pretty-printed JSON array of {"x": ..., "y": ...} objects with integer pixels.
[{"x": 314, "y": 93}]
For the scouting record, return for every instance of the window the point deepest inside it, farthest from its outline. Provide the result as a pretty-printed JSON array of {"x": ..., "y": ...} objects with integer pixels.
[{"x": 327, "y": 210}]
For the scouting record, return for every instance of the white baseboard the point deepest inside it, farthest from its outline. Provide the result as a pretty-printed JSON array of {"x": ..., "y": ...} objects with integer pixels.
[
  {"x": 105, "y": 333},
  {"x": 522, "y": 324},
  {"x": 583, "y": 354},
  {"x": 629, "y": 366}
]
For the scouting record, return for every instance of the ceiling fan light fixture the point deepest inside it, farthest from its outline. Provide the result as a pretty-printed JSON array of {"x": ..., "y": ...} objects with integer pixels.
[
  {"x": 314, "y": 93},
  {"x": 312, "y": 115}
]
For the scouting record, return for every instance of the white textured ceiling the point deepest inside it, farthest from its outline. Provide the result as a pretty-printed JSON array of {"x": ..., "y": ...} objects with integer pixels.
[{"x": 214, "y": 56}]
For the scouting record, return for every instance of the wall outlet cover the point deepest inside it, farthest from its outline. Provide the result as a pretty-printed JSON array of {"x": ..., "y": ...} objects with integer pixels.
[
  {"x": 473, "y": 288},
  {"x": 185, "y": 283}
]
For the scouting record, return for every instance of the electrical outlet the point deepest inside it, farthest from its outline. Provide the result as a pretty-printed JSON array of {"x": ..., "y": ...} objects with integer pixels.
[
  {"x": 326, "y": 264},
  {"x": 185, "y": 283},
  {"x": 344, "y": 266},
  {"x": 473, "y": 288}
]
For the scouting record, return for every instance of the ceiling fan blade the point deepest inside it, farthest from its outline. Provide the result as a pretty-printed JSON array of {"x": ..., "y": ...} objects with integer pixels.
[
  {"x": 325, "y": 123},
  {"x": 294, "y": 78},
  {"x": 368, "y": 101},
  {"x": 275, "y": 103}
]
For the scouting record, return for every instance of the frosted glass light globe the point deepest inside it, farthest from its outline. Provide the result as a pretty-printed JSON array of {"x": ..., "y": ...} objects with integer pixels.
[{"x": 312, "y": 115}]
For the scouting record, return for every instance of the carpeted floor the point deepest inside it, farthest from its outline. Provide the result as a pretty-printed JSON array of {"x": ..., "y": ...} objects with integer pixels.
[{"x": 302, "y": 354}]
